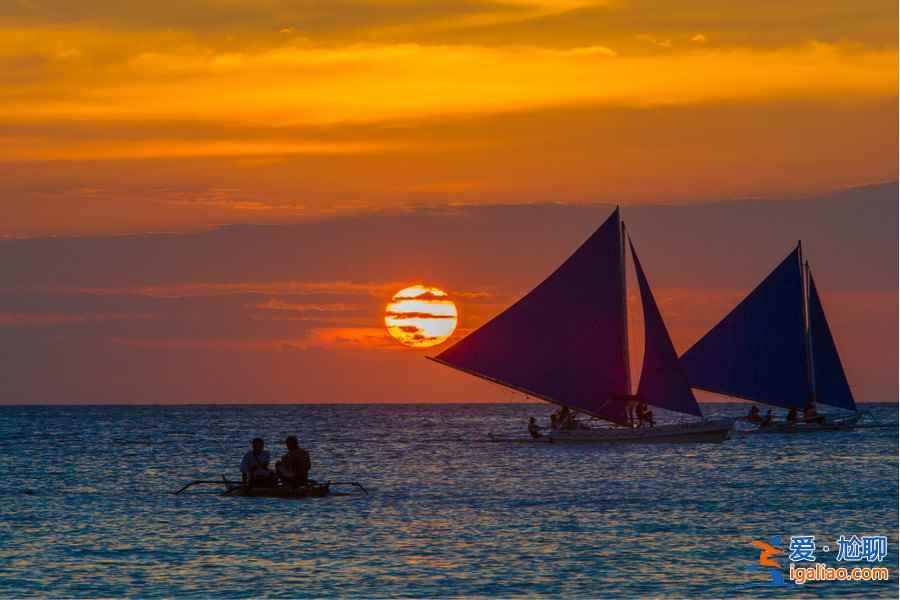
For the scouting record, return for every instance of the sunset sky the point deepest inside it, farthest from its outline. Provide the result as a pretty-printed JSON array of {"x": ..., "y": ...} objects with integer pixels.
[{"x": 208, "y": 201}]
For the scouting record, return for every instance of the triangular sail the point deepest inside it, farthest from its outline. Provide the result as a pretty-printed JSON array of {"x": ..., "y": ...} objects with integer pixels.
[
  {"x": 663, "y": 381},
  {"x": 831, "y": 383},
  {"x": 564, "y": 341},
  {"x": 758, "y": 351}
]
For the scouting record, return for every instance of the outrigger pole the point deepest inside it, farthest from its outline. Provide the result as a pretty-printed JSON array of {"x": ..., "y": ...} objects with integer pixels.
[
  {"x": 353, "y": 483},
  {"x": 196, "y": 482}
]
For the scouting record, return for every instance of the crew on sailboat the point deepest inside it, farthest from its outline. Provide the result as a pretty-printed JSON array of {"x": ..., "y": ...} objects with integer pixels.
[
  {"x": 645, "y": 415},
  {"x": 631, "y": 406},
  {"x": 566, "y": 419},
  {"x": 533, "y": 430},
  {"x": 792, "y": 416},
  {"x": 767, "y": 420},
  {"x": 753, "y": 415},
  {"x": 810, "y": 414},
  {"x": 563, "y": 420}
]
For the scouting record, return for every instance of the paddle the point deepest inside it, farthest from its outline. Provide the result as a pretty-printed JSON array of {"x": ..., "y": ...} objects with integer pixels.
[{"x": 359, "y": 485}]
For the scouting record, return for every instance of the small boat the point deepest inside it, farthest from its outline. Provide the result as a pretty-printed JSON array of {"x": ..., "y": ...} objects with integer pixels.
[
  {"x": 309, "y": 490},
  {"x": 776, "y": 348},
  {"x": 566, "y": 342},
  {"x": 312, "y": 489}
]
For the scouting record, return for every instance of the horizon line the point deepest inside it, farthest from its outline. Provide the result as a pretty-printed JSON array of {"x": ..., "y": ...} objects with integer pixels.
[{"x": 401, "y": 403}]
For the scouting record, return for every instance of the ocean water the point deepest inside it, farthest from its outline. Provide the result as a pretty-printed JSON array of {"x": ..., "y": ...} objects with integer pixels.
[{"x": 86, "y": 508}]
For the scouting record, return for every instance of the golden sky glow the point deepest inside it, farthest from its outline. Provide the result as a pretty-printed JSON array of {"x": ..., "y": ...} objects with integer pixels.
[
  {"x": 275, "y": 169},
  {"x": 421, "y": 316},
  {"x": 139, "y": 115}
]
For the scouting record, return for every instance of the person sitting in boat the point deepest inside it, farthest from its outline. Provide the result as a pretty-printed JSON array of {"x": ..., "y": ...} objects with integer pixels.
[
  {"x": 631, "y": 406},
  {"x": 768, "y": 419},
  {"x": 533, "y": 430},
  {"x": 753, "y": 416},
  {"x": 645, "y": 415},
  {"x": 255, "y": 464},
  {"x": 566, "y": 420},
  {"x": 293, "y": 468},
  {"x": 792, "y": 416},
  {"x": 554, "y": 422},
  {"x": 811, "y": 415}
]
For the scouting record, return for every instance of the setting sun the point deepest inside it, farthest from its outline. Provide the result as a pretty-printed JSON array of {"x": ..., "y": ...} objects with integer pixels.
[{"x": 421, "y": 316}]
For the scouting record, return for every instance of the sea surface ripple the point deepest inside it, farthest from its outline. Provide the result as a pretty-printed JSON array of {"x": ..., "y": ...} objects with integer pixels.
[{"x": 86, "y": 508}]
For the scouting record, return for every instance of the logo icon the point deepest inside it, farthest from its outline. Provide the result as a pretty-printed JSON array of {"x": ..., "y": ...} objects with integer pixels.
[{"x": 766, "y": 562}]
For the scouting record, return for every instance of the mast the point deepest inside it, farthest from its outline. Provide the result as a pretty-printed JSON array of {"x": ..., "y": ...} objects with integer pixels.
[
  {"x": 624, "y": 311},
  {"x": 810, "y": 357},
  {"x": 807, "y": 330}
]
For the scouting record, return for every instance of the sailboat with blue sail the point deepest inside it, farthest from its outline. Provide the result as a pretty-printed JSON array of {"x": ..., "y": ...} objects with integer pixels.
[
  {"x": 566, "y": 342},
  {"x": 776, "y": 348}
]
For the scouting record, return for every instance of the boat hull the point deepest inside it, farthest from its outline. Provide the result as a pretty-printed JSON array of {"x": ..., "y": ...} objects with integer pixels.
[
  {"x": 706, "y": 431},
  {"x": 845, "y": 424},
  {"x": 318, "y": 490}
]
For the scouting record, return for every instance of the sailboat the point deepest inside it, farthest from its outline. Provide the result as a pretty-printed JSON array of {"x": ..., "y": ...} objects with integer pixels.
[
  {"x": 566, "y": 342},
  {"x": 776, "y": 348}
]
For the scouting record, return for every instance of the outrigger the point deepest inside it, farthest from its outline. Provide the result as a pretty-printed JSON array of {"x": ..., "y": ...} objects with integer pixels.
[{"x": 311, "y": 489}]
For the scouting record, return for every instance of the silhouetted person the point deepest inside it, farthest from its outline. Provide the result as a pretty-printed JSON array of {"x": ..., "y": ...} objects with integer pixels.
[
  {"x": 631, "y": 404},
  {"x": 792, "y": 415},
  {"x": 645, "y": 415},
  {"x": 533, "y": 429},
  {"x": 753, "y": 415},
  {"x": 255, "y": 464},
  {"x": 810, "y": 414},
  {"x": 768, "y": 419},
  {"x": 293, "y": 468}
]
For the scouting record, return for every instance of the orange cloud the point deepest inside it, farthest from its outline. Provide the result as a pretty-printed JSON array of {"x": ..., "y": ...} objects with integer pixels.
[
  {"x": 199, "y": 289},
  {"x": 333, "y": 338},
  {"x": 301, "y": 111},
  {"x": 51, "y": 319},
  {"x": 300, "y": 83}
]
